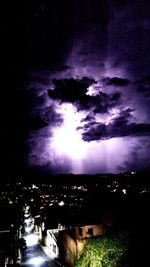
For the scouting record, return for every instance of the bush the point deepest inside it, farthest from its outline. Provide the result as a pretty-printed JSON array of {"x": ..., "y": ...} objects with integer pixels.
[{"x": 105, "y": 251}]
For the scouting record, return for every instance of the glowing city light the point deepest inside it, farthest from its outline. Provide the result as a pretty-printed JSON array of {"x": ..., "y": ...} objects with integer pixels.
[
  {"x": 61, "y": 203},
  {"x": 37, "y": 261},
  {"x": 31, "y": 240}
]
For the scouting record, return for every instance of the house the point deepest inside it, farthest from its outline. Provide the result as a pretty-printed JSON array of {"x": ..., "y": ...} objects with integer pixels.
[
  {"x": 51, "y": 241},
  {"x": 72, "y": 241}
]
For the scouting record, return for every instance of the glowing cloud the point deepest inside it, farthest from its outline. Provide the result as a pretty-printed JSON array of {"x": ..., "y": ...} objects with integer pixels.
[{"x": 67, "y": 140}]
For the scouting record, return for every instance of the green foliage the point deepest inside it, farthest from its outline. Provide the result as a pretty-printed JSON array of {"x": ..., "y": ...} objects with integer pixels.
[{"x": 105, "y": 251}]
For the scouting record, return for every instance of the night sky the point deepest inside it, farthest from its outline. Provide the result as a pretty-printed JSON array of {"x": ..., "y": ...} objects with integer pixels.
[{"x": 75, "y": 93}]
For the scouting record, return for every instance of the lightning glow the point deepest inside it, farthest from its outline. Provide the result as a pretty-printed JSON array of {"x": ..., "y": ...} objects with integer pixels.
[{"x": 67, "y": 139}]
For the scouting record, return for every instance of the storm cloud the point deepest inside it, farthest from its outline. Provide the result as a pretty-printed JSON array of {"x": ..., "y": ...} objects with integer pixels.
[
  {"x": 121, "y": 126},
  {"x": 75, "y": 91},
  {"x": 116, "y": 129},
  {"x": 79, "y": 84},
  {"x": 116, "y": 81}
]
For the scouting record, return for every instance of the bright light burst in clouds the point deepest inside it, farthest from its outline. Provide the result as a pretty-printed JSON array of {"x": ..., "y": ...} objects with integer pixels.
[{"x": 67, "y": 139}]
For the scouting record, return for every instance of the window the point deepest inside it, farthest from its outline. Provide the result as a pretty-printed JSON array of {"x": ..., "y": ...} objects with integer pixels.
[
  {"x": 80, "y": 231},
  {"x": 90, "y": 231},
  {"x": 54, "y": 248}
]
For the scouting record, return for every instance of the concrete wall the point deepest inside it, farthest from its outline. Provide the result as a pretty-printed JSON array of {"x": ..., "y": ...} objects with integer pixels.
[
  {"x": 51, "y": 244},
  {"x": 71, "y": 248}
]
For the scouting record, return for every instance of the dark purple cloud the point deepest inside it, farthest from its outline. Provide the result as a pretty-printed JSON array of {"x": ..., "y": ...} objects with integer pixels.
[
  {"x": 116, "y": 129},
  {"x": 49, "y": 117},
  {"x": 120, "y": 126},
  {"x": 116, "y": 81},
  {"x": 144, "y": 90},
  {"x": 70, "y": 90},
  {"x": 143, "y": 86},
  {"x": 129, "y": 37},
  {"x": 35, "y": 123},
  {"x": 75, "y": 91},
  {"x": 139, "y": 157}
]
